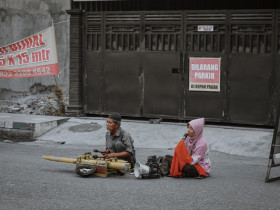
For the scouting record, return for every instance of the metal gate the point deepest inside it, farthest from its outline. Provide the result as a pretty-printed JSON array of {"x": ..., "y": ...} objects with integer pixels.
[
  {"x": 251, "y": 66},
  {"x": 92, "y": 60},
  {"x": 206, "y": 44},
  {"x": 122, "y": 81},
  {"x": 163, "y": 39},
  {"x": 137, "y": 63}
]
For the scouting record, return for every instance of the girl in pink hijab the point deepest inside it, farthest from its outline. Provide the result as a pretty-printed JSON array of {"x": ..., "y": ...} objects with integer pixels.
[
  {"x": 197, "y": 148},
  {"x": 191, "y": 156}
]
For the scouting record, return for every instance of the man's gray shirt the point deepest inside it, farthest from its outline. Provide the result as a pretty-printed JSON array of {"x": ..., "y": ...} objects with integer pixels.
[{"x": 122, "y": 141}]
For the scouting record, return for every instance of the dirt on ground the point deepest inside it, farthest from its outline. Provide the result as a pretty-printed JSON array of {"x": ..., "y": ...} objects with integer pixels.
[{"x": 38, "y": 101}]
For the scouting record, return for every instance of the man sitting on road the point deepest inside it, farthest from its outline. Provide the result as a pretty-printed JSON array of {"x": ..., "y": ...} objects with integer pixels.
[{"x": 119, "y": 143}]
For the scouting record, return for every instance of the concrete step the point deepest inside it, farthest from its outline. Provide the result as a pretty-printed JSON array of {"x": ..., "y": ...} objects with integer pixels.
[
  {"x": 73, "y": 111},
  {"x": 27, "y": 127}
]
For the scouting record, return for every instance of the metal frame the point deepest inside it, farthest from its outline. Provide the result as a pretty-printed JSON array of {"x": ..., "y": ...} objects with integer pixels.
[{"x": 274, "y": 145}]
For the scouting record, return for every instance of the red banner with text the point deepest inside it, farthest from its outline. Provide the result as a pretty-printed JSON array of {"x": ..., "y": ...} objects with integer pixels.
[
  {"x": 204, "y": 74},
  {"x": 33, "y": 56}
]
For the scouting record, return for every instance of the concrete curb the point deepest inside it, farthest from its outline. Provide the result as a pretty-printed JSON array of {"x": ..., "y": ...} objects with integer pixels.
[{"x": 27, "y": 127}]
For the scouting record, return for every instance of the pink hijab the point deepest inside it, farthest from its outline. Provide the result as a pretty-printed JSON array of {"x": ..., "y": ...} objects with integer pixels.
[{"x": 196, "y": 145}]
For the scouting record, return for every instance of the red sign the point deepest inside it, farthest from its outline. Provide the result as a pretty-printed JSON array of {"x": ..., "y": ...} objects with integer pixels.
[
  {"x": 204, "y": 74},
  {"x": 31, "y": 57}
]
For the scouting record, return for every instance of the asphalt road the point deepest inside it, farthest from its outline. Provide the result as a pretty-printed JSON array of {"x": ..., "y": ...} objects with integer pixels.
[{"x": 27, "y": 181}]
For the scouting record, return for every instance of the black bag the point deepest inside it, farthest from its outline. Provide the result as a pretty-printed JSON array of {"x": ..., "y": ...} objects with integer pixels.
[{"x": 165, "y": 165}]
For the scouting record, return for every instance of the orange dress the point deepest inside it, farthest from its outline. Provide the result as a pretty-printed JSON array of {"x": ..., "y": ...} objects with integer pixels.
[{"x": 180, "y": 159}]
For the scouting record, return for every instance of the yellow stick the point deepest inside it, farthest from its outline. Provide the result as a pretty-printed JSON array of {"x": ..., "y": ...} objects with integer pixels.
[
  {"x": 109, "y": 163},
  {"x": 60, "y": 159}
]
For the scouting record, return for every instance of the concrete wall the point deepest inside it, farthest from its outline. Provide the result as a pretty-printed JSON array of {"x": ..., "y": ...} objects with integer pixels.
[{"x": 22, "y": 18}]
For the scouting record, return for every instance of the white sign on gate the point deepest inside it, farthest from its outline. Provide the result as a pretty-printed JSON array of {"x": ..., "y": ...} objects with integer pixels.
[{"x": 205, "y": 28}]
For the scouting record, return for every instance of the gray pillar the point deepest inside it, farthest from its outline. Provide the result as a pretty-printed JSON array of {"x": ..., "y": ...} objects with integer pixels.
[{"x": 75, "y": 78}]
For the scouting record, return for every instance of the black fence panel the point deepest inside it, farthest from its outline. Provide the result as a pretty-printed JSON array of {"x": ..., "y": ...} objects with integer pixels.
[
  {"x": 250, "y": 88},
  {"x": 145, "y": 5},
  {"x": 122, "y": 76},
  {"x": 92, "y": 87},
  {"x": 122, "y": 90},
  {"x": 208, "y": 43},
  {"x": 92, "y": 63},
  {"x": 276, "y": 70},
  {"x": 161, "y": 85},
  {"x": 251, "y": 66},
  {"x": 163, "y": 41},
  {"x": 208, "y": 104}
]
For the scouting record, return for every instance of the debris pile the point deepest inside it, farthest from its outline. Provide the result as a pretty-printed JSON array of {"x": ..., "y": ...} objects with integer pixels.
[
  {"x": 38, "y": 104},
  {"x": 40, "y": 100}
]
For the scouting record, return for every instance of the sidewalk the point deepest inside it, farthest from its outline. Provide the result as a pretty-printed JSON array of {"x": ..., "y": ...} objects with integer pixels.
[{"x": 250, "y": 142}]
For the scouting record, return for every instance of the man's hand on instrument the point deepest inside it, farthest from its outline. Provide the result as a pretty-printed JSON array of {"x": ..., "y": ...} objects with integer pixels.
[
  {"x": 117, "y": 155},
  {"x": 109, "y": 155},
  {"x": 107, "y": 151}
]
